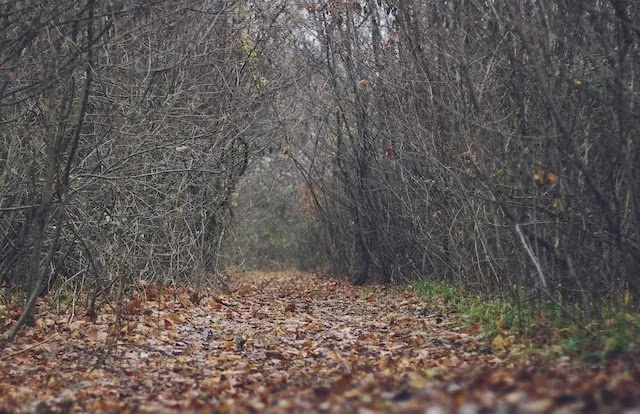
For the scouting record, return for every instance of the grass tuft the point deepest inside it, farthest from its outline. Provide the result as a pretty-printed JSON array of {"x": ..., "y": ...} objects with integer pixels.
[{"x": 542, "y": 325}]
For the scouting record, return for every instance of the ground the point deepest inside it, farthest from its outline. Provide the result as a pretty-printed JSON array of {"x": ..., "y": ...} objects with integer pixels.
[{"x": 286, "y": 343}]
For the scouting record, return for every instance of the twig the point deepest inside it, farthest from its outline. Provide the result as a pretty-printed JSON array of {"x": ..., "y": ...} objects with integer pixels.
[
  {"x": 146, "y": 347},
  {"x": 30, "y": 347},
  {"x": 536, "y": 263},
  {"x": 543, "y": 282},
  {"x": 220, "y": 301}
]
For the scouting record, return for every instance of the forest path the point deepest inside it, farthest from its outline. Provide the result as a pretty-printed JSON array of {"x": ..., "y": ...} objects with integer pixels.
[{"x": 286, "y": 342}]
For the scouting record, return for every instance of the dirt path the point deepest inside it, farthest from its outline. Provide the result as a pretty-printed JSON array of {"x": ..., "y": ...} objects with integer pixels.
[{"x": 281, "y": 343}]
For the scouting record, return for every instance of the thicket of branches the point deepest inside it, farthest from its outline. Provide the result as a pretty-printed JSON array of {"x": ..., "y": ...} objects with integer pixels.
[
  {"x": 492, "y": 143},
  {"x": 489, "y": 143},
  {"x": 125, "y": 127}
]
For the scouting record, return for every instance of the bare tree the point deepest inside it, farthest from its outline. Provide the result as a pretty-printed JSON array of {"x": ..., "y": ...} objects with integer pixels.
[
  {"x": 449, "y": 124},
  {"x": 128, "y": 127}
]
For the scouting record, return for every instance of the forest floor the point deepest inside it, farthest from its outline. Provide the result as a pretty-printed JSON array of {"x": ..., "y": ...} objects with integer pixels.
[{"x": 288, "y": 343}]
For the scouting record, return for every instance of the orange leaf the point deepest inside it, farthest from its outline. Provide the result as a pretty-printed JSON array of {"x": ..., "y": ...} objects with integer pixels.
[
  {"x": 384, "y": 362},
  {"x": 134, "y": 306},
  {"x": 551, "y": 178},
  {"x": 538, "y": 175}
]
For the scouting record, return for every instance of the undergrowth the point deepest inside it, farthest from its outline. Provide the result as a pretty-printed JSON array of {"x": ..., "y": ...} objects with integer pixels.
[{"x": 542, "y": 325}]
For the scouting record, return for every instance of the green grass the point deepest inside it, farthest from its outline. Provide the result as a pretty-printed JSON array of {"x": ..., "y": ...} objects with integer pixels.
[
  {"x": 493, "y": 314},
  {"x": 542, "y": 325},
  {"x": 615, "y": 334}
]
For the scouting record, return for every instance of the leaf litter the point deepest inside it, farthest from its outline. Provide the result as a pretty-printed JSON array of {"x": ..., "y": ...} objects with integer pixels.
[{"x": 286, "y": 343}]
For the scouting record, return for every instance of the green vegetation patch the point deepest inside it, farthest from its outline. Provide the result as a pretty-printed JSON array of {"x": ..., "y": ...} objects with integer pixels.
[{"x": 543, "y": 326}]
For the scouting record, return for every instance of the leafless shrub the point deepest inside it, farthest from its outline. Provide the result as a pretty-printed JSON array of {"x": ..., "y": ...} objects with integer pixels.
[
  {"x": 446, "y": 125},
  {"x": 127, "y": 126}
]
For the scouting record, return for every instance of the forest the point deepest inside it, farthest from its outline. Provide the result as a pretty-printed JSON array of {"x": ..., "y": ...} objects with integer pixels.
[{"x": 157, "y": 156}]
